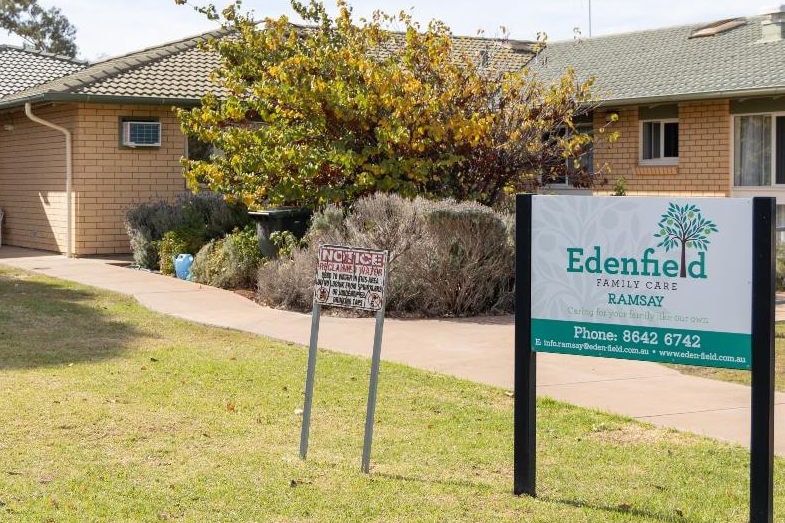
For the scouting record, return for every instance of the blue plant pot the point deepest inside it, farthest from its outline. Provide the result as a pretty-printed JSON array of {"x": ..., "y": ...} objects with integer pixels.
[{"x": 182, "y": 266}]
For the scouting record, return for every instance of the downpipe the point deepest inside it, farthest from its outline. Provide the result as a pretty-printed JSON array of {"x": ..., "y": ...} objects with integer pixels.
[{"x": 68, "y": 175}]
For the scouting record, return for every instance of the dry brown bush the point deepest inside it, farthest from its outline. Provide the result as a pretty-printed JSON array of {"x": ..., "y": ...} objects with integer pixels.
[
  {"x": 446, "y": 258},
  {"x": 466, "y": 263}
]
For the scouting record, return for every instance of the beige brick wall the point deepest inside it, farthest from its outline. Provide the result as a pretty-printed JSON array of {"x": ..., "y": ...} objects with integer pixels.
[
  {"x": 110, "y": 179},
  {"x": 703, "y": 168},
  {"x": 107, "y": 179},
  {"x": 32, "y": 178}
]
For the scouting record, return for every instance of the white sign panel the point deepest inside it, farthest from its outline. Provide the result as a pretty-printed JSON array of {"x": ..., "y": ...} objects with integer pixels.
[
  {"x": 351, "y": 277},
  {"x": 658, "y": 279}
]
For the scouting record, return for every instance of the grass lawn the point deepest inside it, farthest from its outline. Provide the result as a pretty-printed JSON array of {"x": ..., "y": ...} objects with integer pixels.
[
  {"x": 113, "y": 413},
  {"x": 739, "y": 376}
]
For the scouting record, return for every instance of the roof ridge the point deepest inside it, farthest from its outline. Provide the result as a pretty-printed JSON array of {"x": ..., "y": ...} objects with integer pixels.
[
  {"x": 677, "y": 66},
  {"x": 191, "y": 40},
  {"x": 46, "y": 54}
]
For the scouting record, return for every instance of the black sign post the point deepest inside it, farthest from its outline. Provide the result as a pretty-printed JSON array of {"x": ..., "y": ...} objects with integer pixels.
[
  {"x": 525, "y": 431},
  {"x": 762, "y": 436},
  {"x": 762, "y": 336}
]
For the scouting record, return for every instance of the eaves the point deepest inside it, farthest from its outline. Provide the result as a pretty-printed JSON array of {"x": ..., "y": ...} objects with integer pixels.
[
  {"x": 687, "y": 97},
  {"x": 94, "y": 98}
]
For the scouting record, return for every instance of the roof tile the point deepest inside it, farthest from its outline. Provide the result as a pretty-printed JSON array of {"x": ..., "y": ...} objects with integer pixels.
[
  {"x": 21, "y": 69},
  {"x": 181, "y": 71},
  {"x": 667, "y": 63}
]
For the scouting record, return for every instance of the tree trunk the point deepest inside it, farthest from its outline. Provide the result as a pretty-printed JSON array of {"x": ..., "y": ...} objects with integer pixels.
[{"x": 683, "y": 273}]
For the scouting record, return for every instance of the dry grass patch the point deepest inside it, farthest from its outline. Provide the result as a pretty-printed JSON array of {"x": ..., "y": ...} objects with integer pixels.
[{"x": 635, "y": 434}]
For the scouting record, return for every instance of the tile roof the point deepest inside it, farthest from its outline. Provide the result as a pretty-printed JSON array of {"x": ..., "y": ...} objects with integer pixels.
[
  {"x": 494, "y": 54},
  {"x": 178, "y": 72},
  {"x": 22, "y": 68},
  {"x": 666, "y": 64},
  {"x": 175, "y": 72},
  {"x": 661, "y": 64},
  {"x": 182, "y": 73}
]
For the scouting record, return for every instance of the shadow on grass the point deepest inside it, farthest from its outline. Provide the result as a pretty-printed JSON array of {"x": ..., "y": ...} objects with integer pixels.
[
  {"x": 619, "y": 509},
  {"x": 628, "y": 510},
  {"x": 46, "y": 323},
  {"x": 430, "y": 481}
]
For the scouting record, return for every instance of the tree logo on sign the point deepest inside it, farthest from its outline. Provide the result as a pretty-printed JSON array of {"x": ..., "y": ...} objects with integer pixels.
[{"x": 685, "y": 227}]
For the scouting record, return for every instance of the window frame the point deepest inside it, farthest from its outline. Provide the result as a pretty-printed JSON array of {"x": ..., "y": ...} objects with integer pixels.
[
  {"x": 773, "y": 158},
  {"x": 662, "y": 160}
]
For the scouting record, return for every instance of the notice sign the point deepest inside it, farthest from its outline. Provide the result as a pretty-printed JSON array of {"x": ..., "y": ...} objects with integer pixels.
[
  {"x": 351, "y": 277},
  {"x": 656, "y": 279}
]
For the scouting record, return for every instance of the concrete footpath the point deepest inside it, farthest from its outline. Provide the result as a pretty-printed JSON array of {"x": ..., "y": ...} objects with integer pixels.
[{"x": 479, "y": 349}]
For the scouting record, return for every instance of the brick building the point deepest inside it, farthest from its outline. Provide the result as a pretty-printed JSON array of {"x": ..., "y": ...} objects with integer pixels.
[
  {"x": 117, "y": 120},
  {"x": 77, "y": 151},
  {"x": 701, "y": 109},
  {"x": 701, "y": 112}
]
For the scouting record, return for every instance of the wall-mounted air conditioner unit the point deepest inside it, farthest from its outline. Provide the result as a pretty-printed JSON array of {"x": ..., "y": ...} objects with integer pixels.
[{"x": 141, "y": 133}]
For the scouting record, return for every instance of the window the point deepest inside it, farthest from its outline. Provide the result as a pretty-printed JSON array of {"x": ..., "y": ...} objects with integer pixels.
[
  {"x": 199, "y": 150},
  {"x": 759, "y": 150},
  {"x": 660, "y": 141},
  {"x": 140, "y": 133},
  {"x": 585, "y": 160},
  {"x": 202, "y": 151}
]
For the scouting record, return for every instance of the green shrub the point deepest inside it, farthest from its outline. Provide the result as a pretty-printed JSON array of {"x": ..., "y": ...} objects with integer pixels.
[
  {"x": 209, "y": 263},
  {"x": 446, "y": 258},
  {"x": 183, "y": 240},
  {"x": 229, "y": 263},
  {"x": 216, "y": 215},
  {"x": 147, "y": 223},
  {"x": 620, "y": 187},
  {"x": 287, "y": 283},
  {"x": 286, "y": 243},
  {"x": 779, "y": 277}
]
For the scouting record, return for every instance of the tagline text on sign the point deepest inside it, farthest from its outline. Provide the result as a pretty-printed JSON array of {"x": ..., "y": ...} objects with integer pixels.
[{"x": 351, "y": 277}]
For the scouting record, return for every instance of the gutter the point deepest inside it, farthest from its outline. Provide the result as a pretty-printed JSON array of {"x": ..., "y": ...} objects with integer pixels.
[
  {"x": 68, "y": 175},
  {"x": 687, "y": 97},
  {"x": 93, "y": 98}
]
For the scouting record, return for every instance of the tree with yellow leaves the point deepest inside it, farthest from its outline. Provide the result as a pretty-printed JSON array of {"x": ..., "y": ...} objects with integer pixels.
[{"x": 339, "y": 108}]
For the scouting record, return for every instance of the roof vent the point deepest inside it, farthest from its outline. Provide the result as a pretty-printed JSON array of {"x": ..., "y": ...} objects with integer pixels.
[
  {"x": 772, "y": 26},
  {"x": 715, "y": 28}
]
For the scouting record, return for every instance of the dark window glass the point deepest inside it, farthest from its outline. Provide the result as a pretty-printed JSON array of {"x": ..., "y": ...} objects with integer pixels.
[
  {"x": 671, "y": 142},
  {"x": 651, "y": 140},
  {"x": 198, "y": 150}
]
